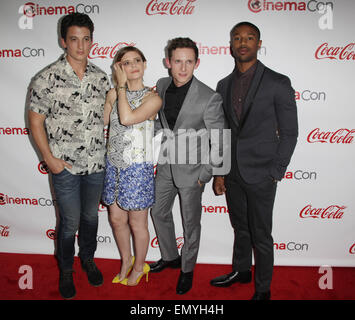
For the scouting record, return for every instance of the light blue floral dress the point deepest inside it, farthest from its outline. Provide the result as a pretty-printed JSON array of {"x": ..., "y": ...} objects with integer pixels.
[{"x": 129, "y": 178}]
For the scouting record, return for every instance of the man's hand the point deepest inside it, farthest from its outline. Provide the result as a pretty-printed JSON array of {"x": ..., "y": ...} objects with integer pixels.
[
  {"x": 218, "y": 186},
  {"x": 39, "y": 135},
  {"x": 56, "y": 165},
  {"x": 149, "y": 95}
]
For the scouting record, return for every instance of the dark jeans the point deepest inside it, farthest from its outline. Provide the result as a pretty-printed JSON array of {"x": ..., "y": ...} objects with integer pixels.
[{"x": 78, "y": 198}]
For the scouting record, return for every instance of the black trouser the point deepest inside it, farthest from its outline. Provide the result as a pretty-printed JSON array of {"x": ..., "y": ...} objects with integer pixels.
[{"x": 250, "y": 210}]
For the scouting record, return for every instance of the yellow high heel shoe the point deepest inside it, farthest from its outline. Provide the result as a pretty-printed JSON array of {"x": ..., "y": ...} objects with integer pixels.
[
  {"x": 117, "y": 278},
  {"x": 145, "y": 272}
]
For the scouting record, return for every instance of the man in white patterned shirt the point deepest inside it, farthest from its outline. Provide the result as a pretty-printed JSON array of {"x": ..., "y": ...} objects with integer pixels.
[{"x": 66, "y": 120}]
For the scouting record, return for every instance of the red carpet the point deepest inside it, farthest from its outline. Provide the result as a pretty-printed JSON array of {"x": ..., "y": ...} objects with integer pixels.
[{"x": 289, "y": 283}]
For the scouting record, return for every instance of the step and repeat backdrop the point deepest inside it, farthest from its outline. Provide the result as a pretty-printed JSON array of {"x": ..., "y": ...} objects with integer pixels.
[{"x": 311, "y": 41}]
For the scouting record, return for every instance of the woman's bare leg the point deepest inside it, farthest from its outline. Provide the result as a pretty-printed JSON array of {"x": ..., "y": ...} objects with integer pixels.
[{"x": 119, "y": 222}]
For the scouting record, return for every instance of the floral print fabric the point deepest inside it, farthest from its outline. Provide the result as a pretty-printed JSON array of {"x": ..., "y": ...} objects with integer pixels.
[{"x": 74, "y": 114}]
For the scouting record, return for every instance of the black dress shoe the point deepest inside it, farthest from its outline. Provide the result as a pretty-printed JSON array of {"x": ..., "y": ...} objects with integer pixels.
[
  {"x": 185, "y": 282},
  {"x": 230, "y": 278},
  {"x": 261, "y": 295},
  {"x": 162, "y": 264}
]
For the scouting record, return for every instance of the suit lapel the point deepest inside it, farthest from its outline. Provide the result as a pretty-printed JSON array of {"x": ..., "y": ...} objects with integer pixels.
[
  {"x": 229, "y": 96},
  {"x": 161, "y": 112},
  {"x": 252, "y": 91}
]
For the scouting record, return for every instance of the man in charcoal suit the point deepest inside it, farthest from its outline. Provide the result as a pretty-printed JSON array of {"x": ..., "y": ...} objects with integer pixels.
[{"x": 260, "y": 107}]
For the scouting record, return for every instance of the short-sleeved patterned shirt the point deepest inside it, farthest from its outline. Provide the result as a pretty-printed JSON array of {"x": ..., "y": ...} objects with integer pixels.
[{"x": 74, "y": 113}]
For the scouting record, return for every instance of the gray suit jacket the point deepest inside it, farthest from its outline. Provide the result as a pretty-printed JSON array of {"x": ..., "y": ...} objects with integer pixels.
[{"x": 187, "y": 150}]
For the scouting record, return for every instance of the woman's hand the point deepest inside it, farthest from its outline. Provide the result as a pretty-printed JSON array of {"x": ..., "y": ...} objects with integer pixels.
[{"x": 120, "y": 74}]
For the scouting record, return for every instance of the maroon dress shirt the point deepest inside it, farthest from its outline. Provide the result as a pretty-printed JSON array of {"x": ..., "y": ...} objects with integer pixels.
[{"x": 241, "y": 86}]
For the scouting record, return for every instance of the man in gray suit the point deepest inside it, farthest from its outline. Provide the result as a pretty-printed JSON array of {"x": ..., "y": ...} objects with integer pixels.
[
  {"x": 260, "y": 106},
  {"x": 190, "y": 111}
]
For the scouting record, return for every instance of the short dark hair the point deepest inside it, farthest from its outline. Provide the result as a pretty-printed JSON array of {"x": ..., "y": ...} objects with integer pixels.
[
  {"x": 120, "y": 53},
  {"x": 75, "y": 19},
  {"x": 245, "y": 23},
  {"x": 175, "y": 43}
]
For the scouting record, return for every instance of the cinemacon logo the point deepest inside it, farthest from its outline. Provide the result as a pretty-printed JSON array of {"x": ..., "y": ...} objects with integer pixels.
[
  {"x": 334, "y": 212},
  {"x": 343, "y": 136},
  {"x": 43, "y": 168},
  {"x": 291, "y": 246},
  {"x": 31, "y": 9},
  {"x": 308, "y": 95},
  {"x": 26, "y": 52},
  {"x": 221, "y": 50},
  {"x": 300, "y": 175},
  {"x": 51, "y": 234},
  {"x": 14, "y": 131},
  {"x": 177, "y": 7},
  {"x": 102, "y": 208},
  {"x": 325, "y": 51},
  {"x": 352, "y": 249},
  {"x": 257, "y": 6},
  {"x": 11, "y": 200},
  {"x": 179, "y": 242},
  {"x": 107, "y": 52},
  {"x": 215, "y": 209}
]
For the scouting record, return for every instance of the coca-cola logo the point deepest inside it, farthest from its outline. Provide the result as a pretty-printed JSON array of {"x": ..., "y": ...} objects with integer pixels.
[
  {"x": 4, "y": 231},
  {"x": 179, "y": 242},
  {"x": 334, "y": 212},
  {"x": 345, "y": 136},
  {"x": 352, "y": 249},
  {"x": 177, "y": 7},
  {"x": 254, "y": 5},
  {"x": 43, "y": 168},
  {"x": 324, "y": 51},
  {"x": 106, "y": 52}
]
